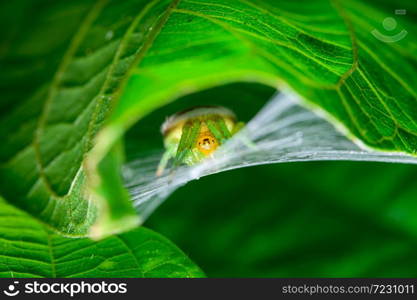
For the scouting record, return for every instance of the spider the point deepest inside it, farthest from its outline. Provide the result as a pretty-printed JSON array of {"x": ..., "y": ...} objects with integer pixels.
[{"x": 194, "y": 134}]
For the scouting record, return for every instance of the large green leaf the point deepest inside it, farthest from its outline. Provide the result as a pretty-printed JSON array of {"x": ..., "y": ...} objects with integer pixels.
[
  {"x": 64, "y": 63},
  {"x": 30, "y": 249}
]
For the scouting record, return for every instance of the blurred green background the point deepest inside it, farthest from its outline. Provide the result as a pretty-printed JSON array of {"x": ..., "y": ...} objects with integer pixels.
[
  {"x": 299, "y": 219},
  {"x": 322, "y": 219}
]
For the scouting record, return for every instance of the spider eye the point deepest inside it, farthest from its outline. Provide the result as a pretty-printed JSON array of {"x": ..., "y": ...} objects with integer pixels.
[{"x": 207, "y": 144}]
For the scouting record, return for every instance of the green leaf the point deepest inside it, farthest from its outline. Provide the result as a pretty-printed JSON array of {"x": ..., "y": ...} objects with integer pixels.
[
  {"x": 324, "y": 50},
  {"x": 30, "y": 249},
  {"x": 318, "y": 219},
  {"x": 70, "y": 67},
  {"x": 72, "y": 57}
]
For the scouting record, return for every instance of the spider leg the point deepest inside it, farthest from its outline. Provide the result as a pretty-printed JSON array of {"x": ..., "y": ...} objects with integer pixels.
[
  {"x": 168, "y": 154},
  {"x": 188, "y": 139},
  {"x": 219, "y": 129},
  {"x": 238, "y": 127},
  {"x": 243, "y": 137}
]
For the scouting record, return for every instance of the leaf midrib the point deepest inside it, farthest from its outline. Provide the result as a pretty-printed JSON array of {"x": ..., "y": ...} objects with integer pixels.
[{"x": 75, "y": 43}]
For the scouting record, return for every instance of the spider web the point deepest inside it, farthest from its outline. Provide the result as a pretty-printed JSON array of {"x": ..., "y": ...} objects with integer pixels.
[{"x": 282, "y": 131}]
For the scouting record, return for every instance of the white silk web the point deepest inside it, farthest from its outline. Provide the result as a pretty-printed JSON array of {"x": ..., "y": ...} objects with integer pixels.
[{"x": 282, "y": 131}]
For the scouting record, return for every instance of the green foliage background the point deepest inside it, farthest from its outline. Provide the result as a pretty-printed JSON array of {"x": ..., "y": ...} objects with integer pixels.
[
  {"x": 324, "y": 219},
  {"x": 85, "y": 84},
  {"x": 333, "y": 219}
]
